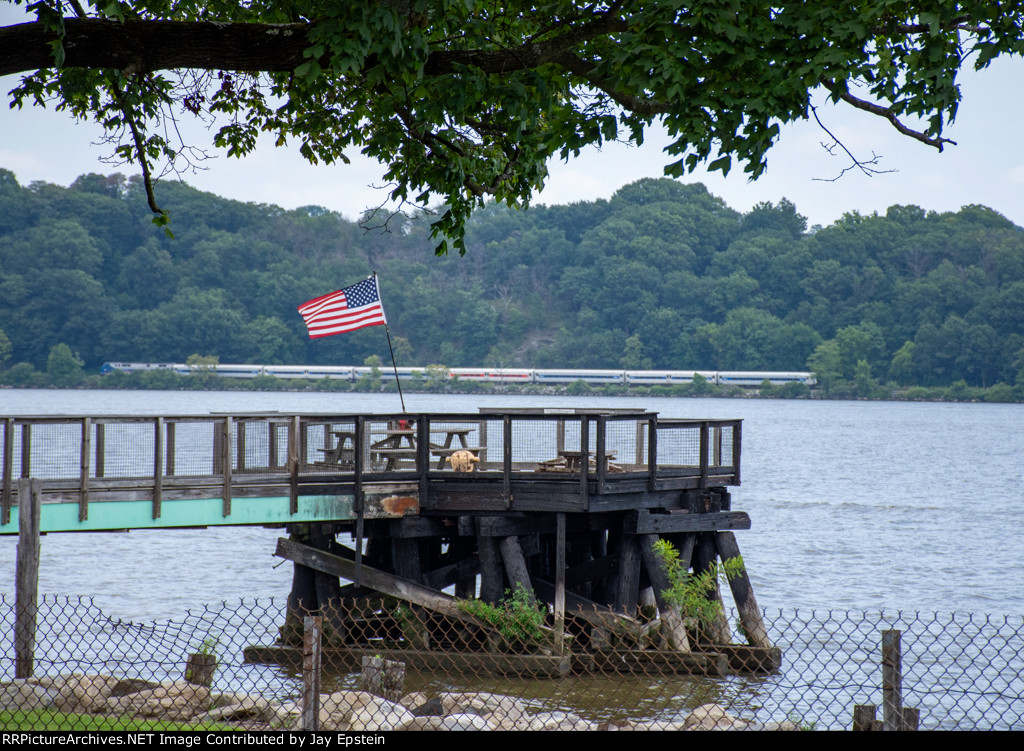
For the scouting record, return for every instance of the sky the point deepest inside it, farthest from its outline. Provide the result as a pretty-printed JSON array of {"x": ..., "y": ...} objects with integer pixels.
[{"x": 986, "y": 167}]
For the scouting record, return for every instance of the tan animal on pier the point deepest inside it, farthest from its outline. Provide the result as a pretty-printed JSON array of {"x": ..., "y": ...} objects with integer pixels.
[{"x": 462, "y": 460}]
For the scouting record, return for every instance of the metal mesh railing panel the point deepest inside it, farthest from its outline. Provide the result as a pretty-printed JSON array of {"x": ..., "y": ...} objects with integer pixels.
[
  {"x": 678, "y": 445},
  {"x": 390, "y": 445},
  {"x": 123, "y": 449},
  {"x": 189, "y": 448},
  {"x": 482, "y": 439},
  {"x": 536, "y": 442},
  {"x": 720, "y": 445},
  {"x": 626, "y": 445},
  {"x": 328, "y": 446},
  {"x": 54, "y": 451}
]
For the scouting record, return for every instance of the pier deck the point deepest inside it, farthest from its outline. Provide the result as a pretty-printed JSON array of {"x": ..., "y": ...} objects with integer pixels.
[
  {"x": 119, "y": 472},
  {"x": 566, "y": 507}
]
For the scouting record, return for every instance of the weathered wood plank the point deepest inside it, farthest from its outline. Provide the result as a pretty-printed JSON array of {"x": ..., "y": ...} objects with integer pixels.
[
  {"x": 642, "y": 522},
  {"x": 500, "y": 526},
  {"x": 378, "y": 580},
  {"x": 597, "y": 568},
  {"x": 594, "y": 613},
  {"x": 463, "y": 663}
]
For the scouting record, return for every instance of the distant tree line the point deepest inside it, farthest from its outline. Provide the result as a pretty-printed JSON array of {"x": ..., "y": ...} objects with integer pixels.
[{"x": 662, "y": 275}]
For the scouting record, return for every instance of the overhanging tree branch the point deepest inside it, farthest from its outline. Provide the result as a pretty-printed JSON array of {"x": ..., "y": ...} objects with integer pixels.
[
  {"x": 142, "y": 46},
  {"x": 841, "y": 92},
  {"x": 460, "y": 100}
]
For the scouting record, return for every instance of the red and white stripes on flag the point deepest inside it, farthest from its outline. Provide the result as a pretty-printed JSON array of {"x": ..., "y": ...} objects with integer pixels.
[{"x": 348, "y": 309}]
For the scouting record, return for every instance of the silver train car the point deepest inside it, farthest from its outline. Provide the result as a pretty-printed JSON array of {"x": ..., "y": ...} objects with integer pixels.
[{"x": 744, "y": 379}]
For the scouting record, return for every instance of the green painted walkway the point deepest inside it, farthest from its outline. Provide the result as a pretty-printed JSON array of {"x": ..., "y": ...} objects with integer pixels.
[{"x": 205, "y": 512}]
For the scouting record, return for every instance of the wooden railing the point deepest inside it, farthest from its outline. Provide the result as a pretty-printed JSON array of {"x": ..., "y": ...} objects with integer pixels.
[{"x": 160, "y": 458}]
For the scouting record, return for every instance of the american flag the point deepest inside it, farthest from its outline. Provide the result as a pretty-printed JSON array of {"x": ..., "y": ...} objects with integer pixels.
[{"x": 348, "y": 309}]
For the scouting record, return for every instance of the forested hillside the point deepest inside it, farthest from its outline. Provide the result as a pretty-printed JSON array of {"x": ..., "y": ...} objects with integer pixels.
[{"x": 663, "y": 275}]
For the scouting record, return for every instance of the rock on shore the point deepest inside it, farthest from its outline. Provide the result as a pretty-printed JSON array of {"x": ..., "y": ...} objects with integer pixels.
[{"x": 180, "y": 701}]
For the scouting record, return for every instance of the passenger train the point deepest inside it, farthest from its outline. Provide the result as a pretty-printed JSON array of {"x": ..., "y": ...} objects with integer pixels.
[{"x": 748, "y": 379}]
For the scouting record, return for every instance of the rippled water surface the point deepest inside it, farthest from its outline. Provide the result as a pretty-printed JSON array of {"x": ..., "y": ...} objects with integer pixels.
[{"x": 855, "y": 505}]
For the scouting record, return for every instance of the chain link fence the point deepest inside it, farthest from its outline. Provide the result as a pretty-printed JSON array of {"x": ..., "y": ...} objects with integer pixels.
[{"x": 386, "y": 666}]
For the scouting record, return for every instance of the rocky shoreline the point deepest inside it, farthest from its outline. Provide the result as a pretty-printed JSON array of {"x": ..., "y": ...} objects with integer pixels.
[{"x": 180, "y": 701}]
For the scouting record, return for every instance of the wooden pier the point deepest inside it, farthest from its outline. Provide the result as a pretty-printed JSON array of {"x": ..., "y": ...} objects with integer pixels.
[{"x": 564, "y": 504}]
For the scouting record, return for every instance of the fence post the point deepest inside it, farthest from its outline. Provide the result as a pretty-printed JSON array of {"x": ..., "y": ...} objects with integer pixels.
[
  {"x": 894, "y": 715},
  {"x": 892, "y": 680},
  {"x": 864, "y": 717},
  {"x": 27, "y": 577},
  {"x": 312, "y": 629}
]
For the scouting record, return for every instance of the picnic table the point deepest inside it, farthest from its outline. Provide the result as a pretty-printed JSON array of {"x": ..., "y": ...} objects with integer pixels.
[
  {"x": 445, "y": 450},
  {"x": 396, "y": 445},
  {"x": 399, "y": 445},
  {"x": 393, "y": 447},
  {"x": 572, "y": 461},
  {"x": 343, "y": 452}
]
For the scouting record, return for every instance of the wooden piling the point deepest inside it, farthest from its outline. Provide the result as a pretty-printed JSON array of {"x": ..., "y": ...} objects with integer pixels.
[
  {"x": 312, "y": 660},
  {"x": 492, "y": 583},
  {"x": 384, "y": 678},
  {"x": 705, "y": 559},
  {"x": 515, "y": 564},
  {"x": 560, "y": 582},
  {"x": 26, "y": 577},
  {"x": 743, "y": 594},
  {"x": 892, "y": 680},
  {"x": 673, "y": 628}
]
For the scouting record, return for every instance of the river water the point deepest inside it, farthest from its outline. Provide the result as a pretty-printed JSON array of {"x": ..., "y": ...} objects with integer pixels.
[
  {"x": 863, "y": 505},
  {"x": 911, "y": 512}
]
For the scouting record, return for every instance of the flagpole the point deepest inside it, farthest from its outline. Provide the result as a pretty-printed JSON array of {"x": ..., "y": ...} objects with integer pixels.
[
  {"x": 395, "y": 366},
  {"x": 392, "y": 351}
]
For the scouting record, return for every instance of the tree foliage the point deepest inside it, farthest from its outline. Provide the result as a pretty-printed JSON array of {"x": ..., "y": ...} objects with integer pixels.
[
  {"x": 463, "y": 100},
  {"x": 921, "y": 298}
]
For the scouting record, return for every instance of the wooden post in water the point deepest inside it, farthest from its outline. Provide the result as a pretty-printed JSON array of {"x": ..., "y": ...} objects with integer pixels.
[
  {"x": 26, "y": 577},
  {"x": 672, "y": 621},
  {"x": 560, "y": 583},
  {"x": 892, "y": 680},
  {"x": 311, "y": 663},
  {"x": 894, "y": 715},
  {"x": 384, "y": 678},
  {"x": 743, "y": 594},
  {"x": 515, "y": 565},
  {"x": 705, "y": 556}
]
